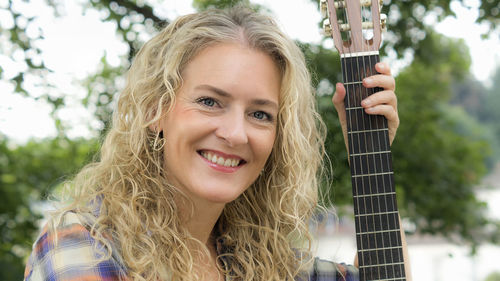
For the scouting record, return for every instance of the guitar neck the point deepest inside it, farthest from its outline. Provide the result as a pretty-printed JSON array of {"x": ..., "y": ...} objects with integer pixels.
[{"x": 378, "y": 237}]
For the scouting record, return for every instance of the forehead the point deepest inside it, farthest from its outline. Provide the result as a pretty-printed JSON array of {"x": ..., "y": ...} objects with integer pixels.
[{"x": 236, "y": 69}]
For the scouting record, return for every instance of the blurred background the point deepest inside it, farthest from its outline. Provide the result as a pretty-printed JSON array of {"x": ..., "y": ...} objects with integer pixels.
[{"x": 62, "y": 64}]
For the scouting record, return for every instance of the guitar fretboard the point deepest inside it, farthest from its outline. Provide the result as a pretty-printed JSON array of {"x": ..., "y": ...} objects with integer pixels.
[{"x": 378, "y": 237}]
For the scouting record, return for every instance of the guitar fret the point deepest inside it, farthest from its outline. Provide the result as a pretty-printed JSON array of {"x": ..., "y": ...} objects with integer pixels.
[
  {"x": 373, "y": 195},
  {"x": 374, "y": 174},
  {"x": 353, "y": 83},
  {"x": 375, "y": 214},
  {"x": 354, "y": 108},
  {"x": 378, "y": 231},
  {"x": 370, "y": 153},
  {"x": 392, "y": 279},
  {"x": 378, "y": 249},
  {"x": 379, "y": 265},
  {"x": 368, "y": 131}
]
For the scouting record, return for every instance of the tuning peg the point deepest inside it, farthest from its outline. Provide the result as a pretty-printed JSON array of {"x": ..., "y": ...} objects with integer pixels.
[
  {"x": 380, "y": 4},
  {"x": 339, "y": 4},
  {"x": 323, "y": 8},
  {"x": 383, "y": 22},
  {"x": 327, "y": 28},
  {"x": 343, "y": 26}
]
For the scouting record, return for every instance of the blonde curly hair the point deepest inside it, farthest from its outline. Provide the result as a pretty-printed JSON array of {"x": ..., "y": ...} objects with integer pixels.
[{"x": 267, "y": 226}]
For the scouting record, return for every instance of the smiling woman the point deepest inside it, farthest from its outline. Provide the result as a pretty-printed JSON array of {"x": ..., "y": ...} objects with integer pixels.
[
  {"x": 210, "y": 170},
  {"x": 222, "y": 128}
]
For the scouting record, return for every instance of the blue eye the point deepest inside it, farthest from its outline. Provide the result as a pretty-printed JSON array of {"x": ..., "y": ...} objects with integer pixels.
[
  {"x": 261, "y": 115},
  {"x": 210, "y": 102}
]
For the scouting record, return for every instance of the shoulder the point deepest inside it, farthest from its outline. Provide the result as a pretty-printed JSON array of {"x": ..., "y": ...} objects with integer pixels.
[
  {"x": 66, "y": 250},
  {"x": 324, "y": 270}
]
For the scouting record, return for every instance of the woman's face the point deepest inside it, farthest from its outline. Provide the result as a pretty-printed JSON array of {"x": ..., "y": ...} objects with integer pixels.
[{"x": 222, "y": 127}]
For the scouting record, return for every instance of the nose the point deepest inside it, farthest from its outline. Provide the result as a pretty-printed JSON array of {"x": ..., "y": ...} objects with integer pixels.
[{"x": 232, "y": 129}]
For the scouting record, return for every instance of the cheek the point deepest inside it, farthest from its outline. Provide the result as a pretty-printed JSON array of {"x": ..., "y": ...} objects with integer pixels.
[{"x": 265, "y": 144}]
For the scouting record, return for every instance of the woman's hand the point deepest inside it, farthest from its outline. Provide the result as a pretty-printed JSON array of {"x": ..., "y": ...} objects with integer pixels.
[{"x": 381, "y": 103}]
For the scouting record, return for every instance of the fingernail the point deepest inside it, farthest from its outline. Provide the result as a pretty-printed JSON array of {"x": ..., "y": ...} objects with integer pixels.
[
  {"x": 368, "y": 81},
  {"x": 381, "y": 66},
  {"x": 366, "y": 102}
]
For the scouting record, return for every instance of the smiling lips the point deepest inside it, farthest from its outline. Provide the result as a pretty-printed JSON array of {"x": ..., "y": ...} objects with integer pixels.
[{"x": 222, "y": 163}]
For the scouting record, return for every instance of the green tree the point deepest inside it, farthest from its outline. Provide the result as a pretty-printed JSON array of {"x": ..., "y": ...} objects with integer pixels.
[
  {"x": 439, "y": 156},
  {"x": 27, "y": 174}
]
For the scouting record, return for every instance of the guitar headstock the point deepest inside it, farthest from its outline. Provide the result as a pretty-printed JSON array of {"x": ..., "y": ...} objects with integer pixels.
[{"x": 355, "y": 25}]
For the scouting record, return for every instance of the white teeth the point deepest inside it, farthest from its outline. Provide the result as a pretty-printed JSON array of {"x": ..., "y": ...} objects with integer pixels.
[{"x": 220, "y": 160}]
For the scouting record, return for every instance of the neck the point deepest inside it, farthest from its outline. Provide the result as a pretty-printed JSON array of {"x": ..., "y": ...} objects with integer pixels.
[
  {"x": 379, "y": 243},
  {"x": 200, "y": 223},
  {"x": 201, "y": 219}
]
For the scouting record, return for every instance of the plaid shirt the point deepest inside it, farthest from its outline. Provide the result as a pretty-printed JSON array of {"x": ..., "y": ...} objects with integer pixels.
[{"x": 78, "y": 256}]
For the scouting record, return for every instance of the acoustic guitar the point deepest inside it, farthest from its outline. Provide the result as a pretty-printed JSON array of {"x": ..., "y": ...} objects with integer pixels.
[{"x": 356, "y": 28}]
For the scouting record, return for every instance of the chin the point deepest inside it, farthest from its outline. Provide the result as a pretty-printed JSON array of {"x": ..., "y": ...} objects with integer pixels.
[{"x": 222, "y": 197}]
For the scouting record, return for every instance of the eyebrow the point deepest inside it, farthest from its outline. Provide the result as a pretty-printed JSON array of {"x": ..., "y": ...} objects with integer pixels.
[{"x": 225, "y": 94}]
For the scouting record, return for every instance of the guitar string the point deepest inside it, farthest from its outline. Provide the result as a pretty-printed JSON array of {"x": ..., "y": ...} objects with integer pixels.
[
  {"x": 387, "y": 158},
  {"x": 350, "y": 120},
  {"x": 376, "y": 123},
  {"x": 369, "y": 118},
  {"x": 391, "y": 184},
  {"x": 362, "y": 115},
  {"x": 369, "y": 71},
  {"x": 383, "y": 184},
  {"x": 380, "y": 183},
  {"x": 372, "y": 182},
  {"x": 351, "y": 140},
  {"x": 367, "y": 125},
  {"x": 366, "y": 184}
]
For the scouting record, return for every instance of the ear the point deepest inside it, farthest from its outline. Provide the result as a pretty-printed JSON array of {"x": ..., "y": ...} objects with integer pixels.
[
  {"x": 153, "y": 121},
  {"x": 155, "y": 116},
  {"x": 154, "y": 127}
]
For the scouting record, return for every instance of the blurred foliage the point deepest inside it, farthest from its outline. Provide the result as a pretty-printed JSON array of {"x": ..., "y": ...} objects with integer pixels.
[
  {"x": 101, "y": 92},
  {"x": 495, "y": 276},
  {"x": 27, "y": 175},
  {"x": 440, "y": 152},
  {"x": 482, "y": 102}
]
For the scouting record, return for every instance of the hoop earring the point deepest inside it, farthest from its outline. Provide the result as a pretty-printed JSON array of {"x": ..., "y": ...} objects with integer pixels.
[{"x": 158, "y": 142}]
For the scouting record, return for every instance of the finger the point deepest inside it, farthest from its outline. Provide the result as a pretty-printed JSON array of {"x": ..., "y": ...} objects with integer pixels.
[
  {"x": 338, "y": 97},
  {"x": 382, "y": 97},
  {"x": 380, "y": 80},
  {"x": 383, "y": 68},
  {"x": 338, "y": 102},
  {"x": 389, "y": 112}
]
